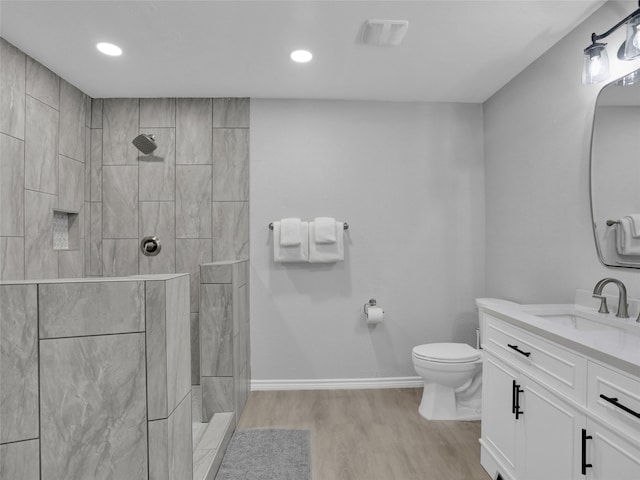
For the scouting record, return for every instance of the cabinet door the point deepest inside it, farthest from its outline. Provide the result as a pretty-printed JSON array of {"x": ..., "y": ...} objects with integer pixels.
[
  {"x": 551, "y": 436},
  {"x": 498, "y": 420},
  {"x": 611, "y": 456}
]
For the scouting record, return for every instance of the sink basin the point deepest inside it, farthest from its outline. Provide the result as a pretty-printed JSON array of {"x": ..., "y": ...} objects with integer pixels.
[
  {"x": 578, "y": 318},
  {"x": 577, "y": 322}
]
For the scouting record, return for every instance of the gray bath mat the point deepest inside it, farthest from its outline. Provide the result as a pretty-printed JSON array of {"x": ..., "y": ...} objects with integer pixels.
[{"x": 267, "y": 454}]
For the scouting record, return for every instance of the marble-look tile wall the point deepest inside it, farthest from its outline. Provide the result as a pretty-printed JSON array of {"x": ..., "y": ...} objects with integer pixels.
[
  {"x": 93, "y": 407},
  {"x": 20, "y": 460},
  {"x": 168, "y": 340},
  {"x": 169, "y": 379},
  {"x": 44, "y": 133},
  {"x": 59, "y": 149},
  {"x": 18, "y": 363},
  {"x": 170, "y": 444},
  {"x": 192, "y": 191},
  {"x": 224, "y": 337},
  {"x": 95, "y": 379}
]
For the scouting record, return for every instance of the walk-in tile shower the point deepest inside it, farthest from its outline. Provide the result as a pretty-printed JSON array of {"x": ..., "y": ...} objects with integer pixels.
[{"x": 78, "y": 198}]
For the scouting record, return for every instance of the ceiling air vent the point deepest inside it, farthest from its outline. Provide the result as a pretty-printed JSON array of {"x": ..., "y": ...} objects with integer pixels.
[{"x": 384, "y": 32}]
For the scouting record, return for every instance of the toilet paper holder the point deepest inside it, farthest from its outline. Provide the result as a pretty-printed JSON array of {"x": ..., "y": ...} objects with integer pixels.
[{"x": 372, "y": 303}]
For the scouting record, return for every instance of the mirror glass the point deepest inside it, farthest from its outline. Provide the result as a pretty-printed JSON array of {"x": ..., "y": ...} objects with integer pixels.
[{"x": 615, "y": 173}]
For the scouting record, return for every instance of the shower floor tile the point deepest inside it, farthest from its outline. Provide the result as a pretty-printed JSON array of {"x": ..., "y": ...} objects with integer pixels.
[{"x": 198, "y": 427}]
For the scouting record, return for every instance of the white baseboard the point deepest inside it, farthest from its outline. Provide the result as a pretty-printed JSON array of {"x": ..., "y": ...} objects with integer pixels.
[{"x": 338, "y": 383}]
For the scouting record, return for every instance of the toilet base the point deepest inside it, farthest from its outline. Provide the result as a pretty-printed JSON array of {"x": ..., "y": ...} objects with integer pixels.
[{"x": 439, "y": 403}]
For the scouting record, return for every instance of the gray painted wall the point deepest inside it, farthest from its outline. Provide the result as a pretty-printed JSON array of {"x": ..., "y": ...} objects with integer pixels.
[
  {"x": 408, "y": 178},
  {"x": 539, "y": 245}
]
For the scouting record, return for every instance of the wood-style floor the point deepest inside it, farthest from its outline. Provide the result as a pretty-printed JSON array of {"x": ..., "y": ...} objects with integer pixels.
[{"x": 371, "y": 434}]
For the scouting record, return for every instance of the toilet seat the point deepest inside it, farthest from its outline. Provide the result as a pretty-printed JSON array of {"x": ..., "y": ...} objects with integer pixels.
[{"x": 446, "y": 353}]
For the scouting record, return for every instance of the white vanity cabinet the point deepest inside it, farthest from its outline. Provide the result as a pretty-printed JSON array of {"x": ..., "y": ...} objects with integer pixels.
[
  {"x": 549, "y": 434},
  {"x": 611, "y": 456},
  {"x": 543, "y": 417},
  {"x": 529, "y": 430},
  {"x": 498, "y": 416}
]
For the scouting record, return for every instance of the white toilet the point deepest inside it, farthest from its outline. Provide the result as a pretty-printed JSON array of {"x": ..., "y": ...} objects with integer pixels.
[{"x": 452, "y": 374}]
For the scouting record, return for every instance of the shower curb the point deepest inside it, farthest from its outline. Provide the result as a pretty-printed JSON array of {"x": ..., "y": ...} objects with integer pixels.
[{"x": 208, "y": 454}]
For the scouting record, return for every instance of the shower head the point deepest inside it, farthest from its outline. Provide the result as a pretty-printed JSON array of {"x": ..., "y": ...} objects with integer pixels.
[{"x": 145, "y": 143}]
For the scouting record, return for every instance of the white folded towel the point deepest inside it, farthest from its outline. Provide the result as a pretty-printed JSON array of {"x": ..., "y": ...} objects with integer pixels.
[
  {"x": 325, "y": 230},
  {"x": 626, "y": 243},
  {"x": 326, "y": 252},
  {"x": 635, "y": 224},
  {"x": 295, "y": 253},
  {"x": 290, "y": 232}
]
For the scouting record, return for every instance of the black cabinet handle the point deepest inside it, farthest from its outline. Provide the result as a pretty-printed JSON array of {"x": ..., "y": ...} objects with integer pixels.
[
  {"x": 584, "y": 465},
  {"x": 518, "y": 411},
  {"x": 515, "y": 347},
  {"x": 615, "y": 402},
  {"x": 515, "y": 399}
]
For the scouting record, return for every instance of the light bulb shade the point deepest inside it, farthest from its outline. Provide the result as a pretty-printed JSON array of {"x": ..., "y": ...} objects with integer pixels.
[
  {"x": 632, "y": 43},
  {"x": 595, "y": 67}
]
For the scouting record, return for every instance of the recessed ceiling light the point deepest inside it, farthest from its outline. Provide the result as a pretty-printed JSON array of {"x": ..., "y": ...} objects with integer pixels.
[
  {"x": 301, "y": 56},
  {"x": 109, "y": 49}
]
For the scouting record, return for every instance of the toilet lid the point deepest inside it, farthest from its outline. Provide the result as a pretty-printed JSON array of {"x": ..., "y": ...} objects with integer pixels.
[{"x": 446, "y": 352}]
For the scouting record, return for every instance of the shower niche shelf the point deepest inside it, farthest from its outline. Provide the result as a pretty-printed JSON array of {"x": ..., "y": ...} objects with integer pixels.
[{"x": 66, "y": 230}]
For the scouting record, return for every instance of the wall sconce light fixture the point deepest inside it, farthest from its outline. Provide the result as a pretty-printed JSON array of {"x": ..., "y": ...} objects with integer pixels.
[{"x": 595, "y": 67}]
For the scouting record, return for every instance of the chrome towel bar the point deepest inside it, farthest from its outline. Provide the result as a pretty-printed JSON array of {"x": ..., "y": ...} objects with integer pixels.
[
  {"x": 612, "y": 222},
  {"x": 346, "y": 226}
]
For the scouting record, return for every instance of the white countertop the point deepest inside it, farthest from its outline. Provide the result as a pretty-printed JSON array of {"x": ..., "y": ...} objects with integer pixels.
[{"x": 618, "y": 348}]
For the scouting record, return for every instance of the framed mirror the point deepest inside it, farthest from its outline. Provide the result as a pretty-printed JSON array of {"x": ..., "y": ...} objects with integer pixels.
[{"x": 615, "y": 173}]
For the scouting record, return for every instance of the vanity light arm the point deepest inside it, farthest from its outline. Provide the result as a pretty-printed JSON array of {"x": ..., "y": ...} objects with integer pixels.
[{"x": 595, "y": 37}]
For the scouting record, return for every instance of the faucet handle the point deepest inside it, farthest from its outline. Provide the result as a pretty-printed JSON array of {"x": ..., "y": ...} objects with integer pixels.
[{"x": 603, "y": 303}]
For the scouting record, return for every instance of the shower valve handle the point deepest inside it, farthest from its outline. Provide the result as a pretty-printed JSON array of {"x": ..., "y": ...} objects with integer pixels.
[{"x": 150, "y": 246}]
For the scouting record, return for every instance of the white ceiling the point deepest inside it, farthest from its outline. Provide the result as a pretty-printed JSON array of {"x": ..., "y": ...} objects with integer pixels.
[{"x": 454, "y": 51}]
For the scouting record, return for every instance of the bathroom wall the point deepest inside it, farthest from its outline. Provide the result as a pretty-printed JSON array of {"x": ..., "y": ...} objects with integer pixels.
[
  {"x": 43, "y": 149},
  {"x": 225, "y": 367},
  {"x": 192, "y": 191},
  {"x": 539, "y": 244},
  {"x": 59, "y": 149},
  {"x": 408, "y": 178},
  {"x": 94, "y": 388}
]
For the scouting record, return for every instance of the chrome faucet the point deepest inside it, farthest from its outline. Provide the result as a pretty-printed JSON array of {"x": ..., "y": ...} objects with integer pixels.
[{"x": 623, "y": 307}]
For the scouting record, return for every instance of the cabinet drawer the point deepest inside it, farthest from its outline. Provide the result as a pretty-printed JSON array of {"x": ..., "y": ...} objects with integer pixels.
[
  {"x": 548, "y": 362},
  {"x": 614, "y": 397}
]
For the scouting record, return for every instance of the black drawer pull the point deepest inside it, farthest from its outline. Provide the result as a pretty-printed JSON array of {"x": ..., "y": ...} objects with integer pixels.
[
  {"x": 614, "y": 401},
  {"x": 515, "y": 347},
  {"x": 585, "y": 465}
]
